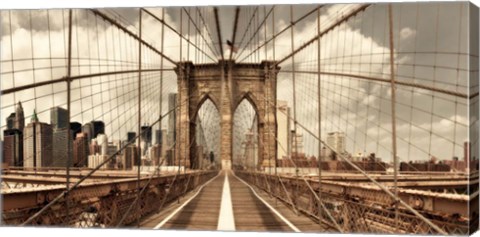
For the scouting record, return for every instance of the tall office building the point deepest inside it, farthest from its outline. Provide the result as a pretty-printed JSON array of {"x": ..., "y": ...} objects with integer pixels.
[
  {"x": 163, "y": 143},
  {"x": 93, "y": 128},
  {"x": 80, "y": 150},
  {"x": 158, "y": 136},
  {"x": 158, "y": 151},
  {"x": 336, "y": 140},
  {"x": 131, "y": 136},
  {"x": 88, "y": 130},
  {"x": 93, "y": 147},
  {"x": 283, "y": 128},
  {"x": 172, "y": 118},
  {"x": 59, "y": 122},
  {"x": 60, "y": 147},
  {"x": 296, "y": 143},
  {"x": 155, "y": 154},
  {"x": 58, "y": 118},
  {"x": 37, "y": 143},
  {"x": 13, "y": 137},
  {"x": 76, "y": 129},
  {"x": 102, "y": 140},
  {"x": 11, "y": 121},
  {"x": 146, "y": 134},
  {"x": 19, "y": 117},
  {"x": 16, "y": 120},
  {"x": 98, "y": 128},
  {"x": 130, "y": 157},
  {"x": 13, "y": 147}
]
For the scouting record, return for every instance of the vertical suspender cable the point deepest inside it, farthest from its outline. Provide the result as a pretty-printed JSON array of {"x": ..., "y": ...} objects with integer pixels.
[
  {"x": 69, "y": 71},
  {"x": 294, "y": 98},
  {"x": 139, "y": 151},
  {"x": 394, "y": 139},
  {"x": 273, "y": 54},
  {"x": 319, "y": 159},
  {"x": 161, "y": 86}
]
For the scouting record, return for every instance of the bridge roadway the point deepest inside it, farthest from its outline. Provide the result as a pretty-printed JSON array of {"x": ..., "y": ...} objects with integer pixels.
[{"x": 228, "y": 203}]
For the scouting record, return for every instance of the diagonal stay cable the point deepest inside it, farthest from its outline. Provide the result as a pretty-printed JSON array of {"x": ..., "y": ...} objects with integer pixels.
[
  {"x": 207, "y": 28},
  {"x": 235, "y": 24},
  {"x": 199, "y": 32},
  {"x": 258, "y": 29},
  {"x": 246, "y": 29},
  {"x": 282, "y": 31},
  {"x": 219, "y": 33},
  {"x": 318, "y": 36},
  {"x": 136, "y": 37},
  {"x": 176, "y": 32}
]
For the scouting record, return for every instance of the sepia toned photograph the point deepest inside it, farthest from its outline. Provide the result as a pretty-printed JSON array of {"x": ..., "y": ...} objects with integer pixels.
[{"x": 317, "y": 118}]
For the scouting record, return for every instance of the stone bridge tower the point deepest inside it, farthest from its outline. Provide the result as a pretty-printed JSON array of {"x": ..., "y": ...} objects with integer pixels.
[{"x": 226, "y": 84}]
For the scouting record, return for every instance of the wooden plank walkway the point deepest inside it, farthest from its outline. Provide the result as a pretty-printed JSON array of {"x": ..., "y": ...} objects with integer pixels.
[{"x": 252, "y": 210}]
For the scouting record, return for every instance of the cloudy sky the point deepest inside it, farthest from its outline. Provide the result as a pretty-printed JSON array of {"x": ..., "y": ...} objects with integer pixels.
[{"x": 430, "y": 49}]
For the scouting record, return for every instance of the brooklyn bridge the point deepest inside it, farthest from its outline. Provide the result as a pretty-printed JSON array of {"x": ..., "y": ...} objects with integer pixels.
[{"x": 339, "y": 118}]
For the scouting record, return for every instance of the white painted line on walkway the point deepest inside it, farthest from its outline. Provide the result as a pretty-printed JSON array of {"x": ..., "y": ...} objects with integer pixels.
[
  {"x": 225, "y": 219},
  {"x": 293, "y": 227},
  {"x": 183, "y": 205}
]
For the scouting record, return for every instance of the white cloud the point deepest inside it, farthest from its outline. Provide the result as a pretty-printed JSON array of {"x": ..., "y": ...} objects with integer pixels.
[{"x": 407, "y": 33}]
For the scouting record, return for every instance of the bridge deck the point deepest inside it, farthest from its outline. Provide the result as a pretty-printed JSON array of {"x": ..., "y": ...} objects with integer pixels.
[{"x": 227, "y": 203}]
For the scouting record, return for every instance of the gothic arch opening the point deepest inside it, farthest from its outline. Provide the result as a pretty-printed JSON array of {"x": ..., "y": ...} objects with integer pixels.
[
  {"x": 206, "y": 140},
  {"x": 245, "y": 136}
]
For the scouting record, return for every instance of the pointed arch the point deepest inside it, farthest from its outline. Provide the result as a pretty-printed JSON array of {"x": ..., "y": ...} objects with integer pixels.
[
  {"x": 202, "y": 100},
  {"x": 250, "y": 98}
]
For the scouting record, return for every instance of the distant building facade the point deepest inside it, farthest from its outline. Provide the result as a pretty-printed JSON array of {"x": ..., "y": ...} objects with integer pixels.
[
  {"x": 13, "y": 147},
  {"x": 80, "y": 150},
  {"x": 37, "y": 146},
  {"x": 59, "y": 122},
  {"x": 336, "y": 140}
]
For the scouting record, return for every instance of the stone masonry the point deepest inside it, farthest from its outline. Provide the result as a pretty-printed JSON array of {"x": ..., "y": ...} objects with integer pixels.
[{"x": 226, "y": 84}]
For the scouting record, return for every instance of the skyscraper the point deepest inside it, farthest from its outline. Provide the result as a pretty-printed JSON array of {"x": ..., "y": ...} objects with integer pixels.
[
  {"x": 80, "y": 150},
  {"x": 11, "y": 121},
  {"x": 158, "y": 136},
  {"x": 88, "y": 130},
  {"x": 59, "y": 121},
  {"x": 102, "y": 140},
  {"x": 58, "y": 118},
  {"x": 98, "y": 128},
  {"x": 130, "y": 157},
  {"x": 37, "y": 147},
  {"x": 19, "y": 117},
  {"x": 76, "y": 128},
  {"x": 336, "y": 140},
  {"x": 131, "y": 136},
  {"x": 93, "y": 128},
  {"x": 93, "y": 147},
  {"x": 13, "y": 137},
  {"x": 60, "y": 147},
  {"x": 147, "y": 134},
  {"x": 13, "y": 147},
  {"x": 297, "y": 144},
  {"x": 163, "y": 143}
]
